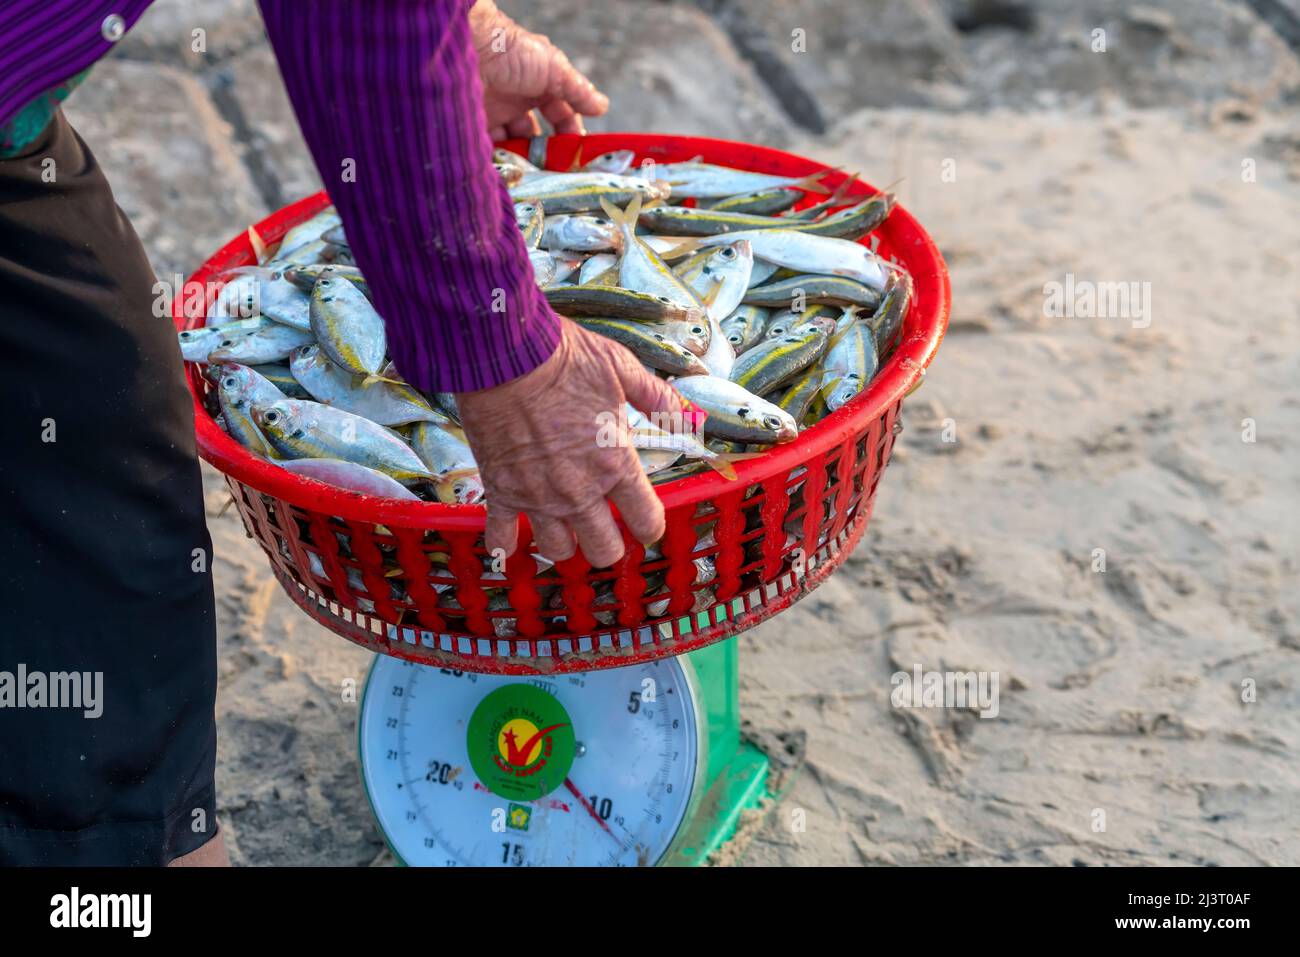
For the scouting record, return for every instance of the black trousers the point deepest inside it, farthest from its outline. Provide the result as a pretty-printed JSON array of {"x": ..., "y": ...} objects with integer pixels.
[{"x": 107, "y": 640}]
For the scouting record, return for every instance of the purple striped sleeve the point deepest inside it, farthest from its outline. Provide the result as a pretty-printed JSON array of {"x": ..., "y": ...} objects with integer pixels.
[
  {"x": 44, "y": 42},
  {"x": 390, "y": 89}
]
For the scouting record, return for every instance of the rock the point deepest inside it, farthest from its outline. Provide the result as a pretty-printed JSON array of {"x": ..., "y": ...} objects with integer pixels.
[
  {"x": 166, "y": 32},
  {"x": 665, "y": 69},
  {"x": 249, "y": 90},
  {"x": 846, "y": 57},
  {"x": 1157, "y": 54},
  {"x": 168, "y": 155}
]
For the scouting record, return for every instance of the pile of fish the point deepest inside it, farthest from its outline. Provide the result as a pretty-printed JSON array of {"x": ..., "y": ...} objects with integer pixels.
[{"x": 764, "y": 315}]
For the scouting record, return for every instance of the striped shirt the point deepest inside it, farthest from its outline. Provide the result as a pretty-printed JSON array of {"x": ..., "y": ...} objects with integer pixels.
[{"x": 388, "y": 96}]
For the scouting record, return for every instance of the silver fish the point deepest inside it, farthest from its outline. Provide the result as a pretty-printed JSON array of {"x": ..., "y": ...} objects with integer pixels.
[
  {"x": 385, "y": 402},
  {"x": 347, "y": 326},
  {"x": 811, "y": 254},
  {"x": 299, "y": 429},
  {"x": 350, "y": 476},
  {"x": 270, "y": 343},
  {"x": 309, "y": 232},
  {"x": 734, "y": 412},
  {"x": 448, "y": 456},
  {"x": 579, "y": 232},
  {"x": 698, "y": 180},
  {"x": 196, "y": 344},
  {"x": 238, "y": 389}
]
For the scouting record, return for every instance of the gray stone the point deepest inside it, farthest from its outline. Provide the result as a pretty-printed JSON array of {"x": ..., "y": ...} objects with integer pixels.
[
  {"x": 249, "y": 91},
  {"x": 167, "y": 32},
  {"x": 169, "y": 158},
  {"x": 1157, "y": 53},
  {"x": 667, "y": 69},
  {"x": 849, "y": 56}
]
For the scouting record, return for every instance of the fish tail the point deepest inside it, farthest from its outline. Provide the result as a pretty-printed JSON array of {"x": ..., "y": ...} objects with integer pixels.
[
  {"x": 623, "y": 218},
  {"x": 836, "y": 198},
  {"x": 724, "y": 468},
  {"x": 724, "y": 463},
  {"x": 812, "y": 182}
]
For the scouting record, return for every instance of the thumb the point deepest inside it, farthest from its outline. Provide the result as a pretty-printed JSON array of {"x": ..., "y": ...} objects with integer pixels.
[{"x": 647, "y": 392}]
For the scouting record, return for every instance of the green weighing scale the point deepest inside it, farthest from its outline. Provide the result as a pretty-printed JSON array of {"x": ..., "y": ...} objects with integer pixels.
[{"x": 633, "y": 766}]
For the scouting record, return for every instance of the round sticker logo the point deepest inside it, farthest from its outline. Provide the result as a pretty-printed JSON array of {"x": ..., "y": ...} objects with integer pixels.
[{"x": 521, "y": 742}]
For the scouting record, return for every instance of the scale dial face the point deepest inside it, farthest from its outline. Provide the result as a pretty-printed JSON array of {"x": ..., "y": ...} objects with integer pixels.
[{"x": 589, "y": 769}]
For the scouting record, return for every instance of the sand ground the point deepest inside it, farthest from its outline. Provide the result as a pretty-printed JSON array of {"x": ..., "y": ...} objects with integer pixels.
[{"x": 1162, "y": 691}]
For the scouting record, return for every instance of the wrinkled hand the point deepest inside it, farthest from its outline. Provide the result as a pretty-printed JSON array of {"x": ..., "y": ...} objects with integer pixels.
[
  {"x": 535, "y": 439},
  {"x": 522, "y": 71}
]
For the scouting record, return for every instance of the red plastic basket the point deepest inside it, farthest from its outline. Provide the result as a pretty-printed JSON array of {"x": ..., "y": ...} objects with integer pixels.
[{"x": 409, "y": 579}]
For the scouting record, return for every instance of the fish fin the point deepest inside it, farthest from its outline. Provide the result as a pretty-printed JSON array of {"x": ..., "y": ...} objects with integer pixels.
[
  {"x": 577, "y": 159},
  {"x": 370, "y": 380},
  {"x": 812, "y": 182},
  {"x": 710, "y": 297},
  {"x": 724, "y": 464},
  {"x": 685, "y": 247},
  {"x": 259, "y": 246},
  {"x": 829, "y": 384},
  {"x": 723, "y": 468}
]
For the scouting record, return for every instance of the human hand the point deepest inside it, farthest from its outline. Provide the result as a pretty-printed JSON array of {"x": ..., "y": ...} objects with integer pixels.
[
  {"x": 535, "y": 440},
  {"x": 522, "y": 71}
]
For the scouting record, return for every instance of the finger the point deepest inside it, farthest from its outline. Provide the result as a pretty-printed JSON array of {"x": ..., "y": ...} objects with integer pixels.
[
  {"x": 642, "y": 511},
  {"x": 501, "y": 530},
  {"x": 553, "y": 538},
  {"x": 649, "y": 393},
  {"x": 561, "y": 116},
  {"x": 525, "y": 125},
  {"x": 579, "y": 91},
  {"x": 598, "y": 536}
]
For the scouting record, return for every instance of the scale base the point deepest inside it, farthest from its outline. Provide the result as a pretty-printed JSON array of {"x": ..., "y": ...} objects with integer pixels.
[
  {"x": 738, "y": 791},
  {"x": 739, "y": 800}
]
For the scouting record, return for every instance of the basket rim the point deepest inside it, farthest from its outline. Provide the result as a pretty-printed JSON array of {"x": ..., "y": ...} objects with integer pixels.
[{"x": 905, "y": 369}]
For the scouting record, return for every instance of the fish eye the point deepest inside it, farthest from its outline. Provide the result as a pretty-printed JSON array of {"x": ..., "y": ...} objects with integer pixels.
[
  {"x": 727, "y": 253},
  {"x": 697, "y": 330},
  {"x": 459, "y": 488},
  {"x": 772, "y": 422},
  {"x": 734, "y": 339},
  {"x": 664, "y": 299},
  {"x": 187, "y": 335},
  {"x": 601, "y": 222},
  {"x": 272, "y": 417},
  {"x": 227, "y": 342},
  {"x": 230, "y": 382}
]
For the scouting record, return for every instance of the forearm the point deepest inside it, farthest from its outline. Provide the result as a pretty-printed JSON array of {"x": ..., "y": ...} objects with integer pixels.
[{"x": 388, "y": 96}]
